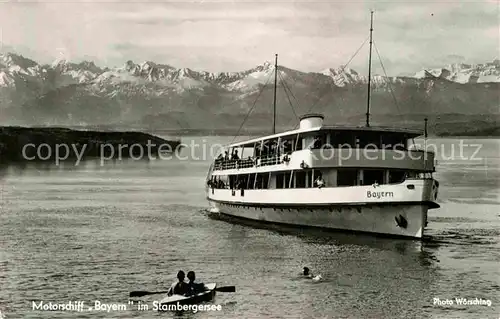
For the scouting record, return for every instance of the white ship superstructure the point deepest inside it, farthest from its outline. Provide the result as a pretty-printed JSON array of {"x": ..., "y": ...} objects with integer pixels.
[
  {"x": 364, "y": 179},
  {"x": 323, "y": 176}
]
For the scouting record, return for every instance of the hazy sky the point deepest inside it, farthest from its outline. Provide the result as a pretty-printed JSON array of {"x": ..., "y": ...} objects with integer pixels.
[{"x": 236, "y": 35}]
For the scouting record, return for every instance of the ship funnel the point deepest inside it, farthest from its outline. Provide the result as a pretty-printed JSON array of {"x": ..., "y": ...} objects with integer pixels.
[{"x": 311, "y": 120}]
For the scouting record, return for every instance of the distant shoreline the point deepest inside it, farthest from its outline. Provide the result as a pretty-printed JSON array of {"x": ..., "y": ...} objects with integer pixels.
[
  {"x": 181, "y": 133},
  {"x": 20, "y": 144},
  {"x": 228, "y": 132}
]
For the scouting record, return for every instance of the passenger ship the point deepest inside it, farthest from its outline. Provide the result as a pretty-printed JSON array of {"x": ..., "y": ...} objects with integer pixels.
[{"x": 361, "y": 179}]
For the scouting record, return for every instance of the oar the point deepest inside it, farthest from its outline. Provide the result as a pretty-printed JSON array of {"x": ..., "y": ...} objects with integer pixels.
[
  {"x": 226, "y": 289},
  {"x": 141, "y": 293}
]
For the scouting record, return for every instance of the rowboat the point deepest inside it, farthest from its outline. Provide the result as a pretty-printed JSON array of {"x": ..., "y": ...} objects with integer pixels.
[{"x": 206, "y": 295}]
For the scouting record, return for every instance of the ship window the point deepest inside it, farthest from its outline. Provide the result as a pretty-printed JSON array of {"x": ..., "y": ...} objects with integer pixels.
[
  {"x": 412, "y": 174},
  {"x": 396, "y": 176},
  {"x": 262, "y": 181},
  {"x": 319, "y": 141},
  {"x": 347, "y": 177},
  {"x": 394, "y": 141},
  {"x": 286, "y": 179},
  {"x": 300, "y": 179},
  {"x": 258, "y": 181},
  {"x": 297, "y": 143},
  {"x": 283, "y": 180},
  {"x": 232, "y": 181},
  {"x": 341, "y": 139},
  {"x": 265, "y": 148},
  {"x": 241, "y": 181},
  {"x": 316, "y": 174},
  {"x": 251, "y": 181},
  {"x": 372, "y": 140},
  {"x": 273, "y": 147},
  {"x": 424, "y": 175},
  {"x": 279, "y": 180},
  {"x": 265, "y": 180},
  {"x": 372, "y": 176},
  {"x": 287, "y": 145}
]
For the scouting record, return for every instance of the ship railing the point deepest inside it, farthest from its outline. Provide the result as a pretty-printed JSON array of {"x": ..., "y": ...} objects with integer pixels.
[
  {"x": 234, "y": 164},
  {"x": 225, "y": 164},
  {"x": 245, "y": 163},
  {"x": 270, "y": 160},
  {"x": 251, "y": 162}
]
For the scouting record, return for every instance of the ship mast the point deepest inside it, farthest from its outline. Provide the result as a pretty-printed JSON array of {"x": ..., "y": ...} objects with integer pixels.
[
  {"x": 369, "y": 74},
  {"x": 275, "y": 88}
]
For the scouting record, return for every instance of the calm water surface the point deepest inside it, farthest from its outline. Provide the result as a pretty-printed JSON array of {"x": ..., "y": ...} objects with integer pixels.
[{"x": 98, "y": 232}]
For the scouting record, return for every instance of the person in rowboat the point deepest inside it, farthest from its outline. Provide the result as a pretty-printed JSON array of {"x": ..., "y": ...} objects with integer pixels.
[
  {"x": 180, "y": 287},
  {"x": 194, "y": 288}
]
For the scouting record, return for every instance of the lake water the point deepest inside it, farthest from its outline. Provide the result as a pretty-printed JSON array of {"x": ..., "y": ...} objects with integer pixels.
[{"x": 97, "y": 232}]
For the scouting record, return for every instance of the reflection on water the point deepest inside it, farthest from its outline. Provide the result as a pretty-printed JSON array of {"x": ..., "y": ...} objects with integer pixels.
[{"x": 96, "y": 232}]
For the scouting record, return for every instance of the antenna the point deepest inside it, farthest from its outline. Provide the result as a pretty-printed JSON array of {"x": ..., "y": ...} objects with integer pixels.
[
  {"x": 275, "y": 88},
  {"x": 425, "y": 128},
  {"x": 425, "y": 143},
  {"x": 369, "y": 74}
]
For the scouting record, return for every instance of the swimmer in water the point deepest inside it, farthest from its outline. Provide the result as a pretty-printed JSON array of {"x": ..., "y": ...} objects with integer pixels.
[{"x": 307, "y": 273}]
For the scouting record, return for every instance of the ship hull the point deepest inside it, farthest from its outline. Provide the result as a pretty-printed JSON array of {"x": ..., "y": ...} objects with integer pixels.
[{"x": 389, "y": 219}]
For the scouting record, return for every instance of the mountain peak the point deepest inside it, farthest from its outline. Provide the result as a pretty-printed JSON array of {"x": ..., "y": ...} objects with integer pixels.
[
  {"x": 12, "y": 59},
  {"x": 424, "y": 74},
  {"x": 339, "y": 70},
  {"x": 59, "y": 62},
  {"x": 129, "y": 66},
  {"x": 342, "y": 75},
  {"x": 266, "y": 66},
  {"x": 89, "y": 65},
  {"x": 146, "y": 65},
  {"x": 464, "y": 72}
]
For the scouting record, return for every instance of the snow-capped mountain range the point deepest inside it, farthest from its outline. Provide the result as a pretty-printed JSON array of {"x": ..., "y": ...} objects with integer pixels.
[
  {"x": 84, "y": 92},
  {"x": 13, "y": 67},
  {"x": 465, "y": 73}
]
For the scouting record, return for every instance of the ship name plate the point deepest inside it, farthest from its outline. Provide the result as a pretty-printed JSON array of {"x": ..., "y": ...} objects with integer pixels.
[{"x": 379, "y": 195}]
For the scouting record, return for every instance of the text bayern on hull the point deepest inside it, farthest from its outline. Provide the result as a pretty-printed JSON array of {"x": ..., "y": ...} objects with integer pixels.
[{"x": 366, "y": 179}]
